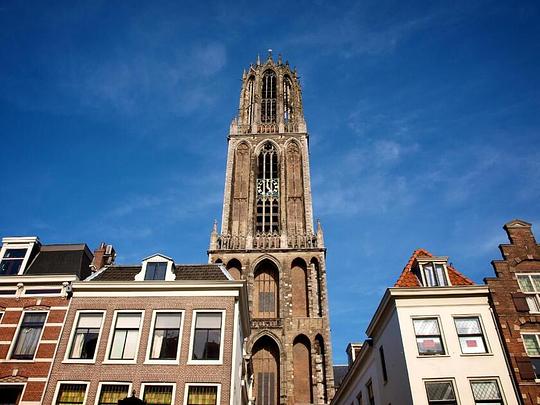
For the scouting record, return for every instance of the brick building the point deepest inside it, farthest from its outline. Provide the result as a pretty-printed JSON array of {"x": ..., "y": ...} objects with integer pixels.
[
  {"x": 35, "y": 283},
  {"x": 515, "y": 295},
  {"x": 167, "y": 333},
  {"x": 268, "y": 238}
]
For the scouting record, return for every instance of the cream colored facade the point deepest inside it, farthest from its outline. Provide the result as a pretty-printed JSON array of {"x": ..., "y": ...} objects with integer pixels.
[{"x": 407, "y": 370}]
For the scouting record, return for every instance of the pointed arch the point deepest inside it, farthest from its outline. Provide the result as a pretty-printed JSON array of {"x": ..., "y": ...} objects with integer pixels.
[
  {"x": 234, "y": 267},
  {"x": 266, "y": 364},
  {"x": 321, "y": 371},
  {"x": 318, "y": 287},
  {"x": 218, "y": 261},
  {"x": 288, "y": 100},
  {"x": 299, "y": 276},
  {"x": 302, "y": 375},
  {"x": 240, "y": 189},
  {"x": 269, "y": 97},
  {"x": 267, "y": 190},
  {"x": 296, "y": 222},
  {"x": 249, "y": 100},
  {"x": 266, "y": 290}
]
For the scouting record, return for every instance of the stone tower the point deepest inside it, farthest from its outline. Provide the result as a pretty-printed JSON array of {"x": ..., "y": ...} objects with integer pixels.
[{"x": 267, "y": 237}]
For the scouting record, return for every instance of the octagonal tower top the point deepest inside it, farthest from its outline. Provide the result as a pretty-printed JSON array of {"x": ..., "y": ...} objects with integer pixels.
[{"x": 270, "y": 100}]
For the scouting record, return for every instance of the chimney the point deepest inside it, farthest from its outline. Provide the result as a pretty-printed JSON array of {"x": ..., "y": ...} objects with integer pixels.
[
  {"x": 352, "y": 351},
  {"x": 104, "y": 255}
]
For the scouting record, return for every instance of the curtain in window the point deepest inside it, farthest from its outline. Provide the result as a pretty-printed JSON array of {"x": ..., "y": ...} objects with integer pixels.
[
  {"x": 71, "y": 394},
  {"x": 158, "y": 395},
  {"x": 202, "y": 396},
  {"x": 111, "y": 394},
  {"x": 29, "y": 334}
]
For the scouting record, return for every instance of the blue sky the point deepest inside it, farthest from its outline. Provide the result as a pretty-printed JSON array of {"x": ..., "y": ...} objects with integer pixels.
[{"x": 424, "y": 123}]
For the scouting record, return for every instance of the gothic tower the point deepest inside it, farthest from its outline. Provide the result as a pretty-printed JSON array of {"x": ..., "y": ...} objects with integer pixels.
[{"x": 267, "y": 238}]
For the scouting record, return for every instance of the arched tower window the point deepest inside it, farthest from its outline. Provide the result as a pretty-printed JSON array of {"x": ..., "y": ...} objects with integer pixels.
[
  {"x": 250, "y": 99},
  {"x": 287, "y": 100},
  {"x": 267, "y": 190},
  {"x": 266, "y": 371},
  {"x": 268, "y": 99},
  {"x": 266, "y": 294}
]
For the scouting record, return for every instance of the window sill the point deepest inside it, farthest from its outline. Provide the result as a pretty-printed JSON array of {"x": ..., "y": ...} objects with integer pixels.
[
  {"x": 78, "y": 361},
  {"x": 119, "y": 362},
  {"x": 205, "y": 362},
  {"x": 475, "y": 354},
  {"x": 165, "y": 362},
  {"x": 431, "y": 356}
]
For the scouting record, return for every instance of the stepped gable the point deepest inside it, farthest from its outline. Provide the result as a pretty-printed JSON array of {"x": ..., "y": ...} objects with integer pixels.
[
  {"x": 409, "y": 279},
  {"x": 202, "y": 272}
]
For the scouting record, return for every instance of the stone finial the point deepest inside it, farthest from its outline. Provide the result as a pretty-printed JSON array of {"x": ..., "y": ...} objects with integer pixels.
[
  {"x": 244, "y": 74},
  {"x": 214, "y": 236},
  {"x": 320, "y": 236},
  {"x": 258, "y": 60},
  {"x": 270, "y": 54},
  {"x": 279, "y": 60}
]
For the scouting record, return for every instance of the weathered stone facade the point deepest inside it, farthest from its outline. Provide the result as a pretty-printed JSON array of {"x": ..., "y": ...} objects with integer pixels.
[
  {"x": 515, "y": 317},
  {"x": 267, "y": 237}
]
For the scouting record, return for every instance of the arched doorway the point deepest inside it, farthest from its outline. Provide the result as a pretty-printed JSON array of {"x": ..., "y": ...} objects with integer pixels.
[{"x": 266, "y": 371}]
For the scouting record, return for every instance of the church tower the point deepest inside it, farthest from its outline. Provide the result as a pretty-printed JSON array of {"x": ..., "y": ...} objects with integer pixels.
[{"x": 267, "y": 237}]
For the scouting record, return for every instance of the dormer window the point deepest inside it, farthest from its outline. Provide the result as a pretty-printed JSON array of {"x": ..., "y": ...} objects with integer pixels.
[
  {"x": 12, "y": 261},
  {"x": 155, "y": 271},
  {"x": 156, "y": 268},
  {"x": 432, "y": 272}
]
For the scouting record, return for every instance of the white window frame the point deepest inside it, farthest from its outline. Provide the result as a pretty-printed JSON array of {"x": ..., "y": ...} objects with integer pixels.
[
  {"x": 107, "y": 359},
  {"x": 16, "y": 337},
  {"x": 72, "y": 336},
  {"x": 148, "y": 360},
  {"x": 192, "y": 337},
  {"x": 496, "y": 379},
  {"x": 218, "y": 394},
  {"x": 535, "y": 294},
  {"x": 102, "y": 383},
  {"x": 17, "y": 383},
  {"x": 488, "y": 351},
  {"x": 434, "y": 261},
  {"x": 157, "y": 258},
  {"x": 532, "y": 356},
  {"x": 145, "y": 384},
  {"x": 443, "y": 338},
  {"x": 449, "y": 379},
  {"x": 59, "y": 383},
  {"x": 27, "y": 243}
]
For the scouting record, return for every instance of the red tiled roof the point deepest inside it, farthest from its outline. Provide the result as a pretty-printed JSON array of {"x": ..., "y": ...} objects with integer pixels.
[{"x": 409, "y": 279}]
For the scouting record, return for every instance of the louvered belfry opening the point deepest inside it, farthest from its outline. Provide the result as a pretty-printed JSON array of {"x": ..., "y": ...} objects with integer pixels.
[
  {"x": 267, "y": 190},
  {"x": 268, "y": 98},
  {"x": 266, "y": 296},
  {"x": 266, "y": 367}
]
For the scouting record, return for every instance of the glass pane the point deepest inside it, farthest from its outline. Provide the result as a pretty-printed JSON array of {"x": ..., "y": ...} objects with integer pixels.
[
  {"x": 441, "y": 275},
  {"x": 129, "y": 320},
  {"x": 158, "y": 394},
  {"x": 199, "y": 344},
  {"x": 202, "y": 396},
  {"x": 485, "y": 390},
  {"x": 525, "y": 284},
  {"x": 111, "y": 394},
  {"x": 212, "y": 347},
  {"x": 165, "y": 344},
  {"x": 168, "y": 321},
  {"x": 426, "y": 327},
  {"x": 532, "y": 301},
  {"x": 119, "y": 340},
  {"x": 10, "y": 394},
  {"x": 531, "y": 345},
  {"x": 472, "y": 344},
  {"x": 10, "y": 267},
  {"x": 468, "y": 326},
  {"x": 90, "y": 321},
  {"x": 429, "y": 275},
  {"x": 15, "y": 254},
  {"x": 431, "y": 345},
  {"x": 71, "y": 394},
  {"x": 208, "y": 321},
  {"x": 131, "y": 344},
  {"x": 440, "y": 391},
  {"x": 36, "y": 318},
  {"x": 536, "y": 281},
  {"x": 535, "y": 361}
]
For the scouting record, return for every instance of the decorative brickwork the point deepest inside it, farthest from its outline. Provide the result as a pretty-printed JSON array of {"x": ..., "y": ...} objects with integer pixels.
[
  {"x": 512, "y": 309},
  {"x": 268, "y": 222}
]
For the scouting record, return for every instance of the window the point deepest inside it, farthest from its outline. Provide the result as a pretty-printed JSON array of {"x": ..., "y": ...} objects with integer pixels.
[
  {"x": 383, "y": 364},
  {"x": 531, "y": 341},
  {"x": 268, "y": 102},
  {"x": 110, "y": 394},
  {"x": 166, "y": 336},
  {"x": 428, "y": 337},
  {"x": 440, "y": 392},
  {"x": 11, "y": 394},
  {"x": 202, "y": 395},
  {"x": 371, "y": 396},
  {"x": 161, "y": 394},
  {"x": 471, "y": 338},
  {"x": 207, "y": 339},
  {"x": 86, "y": 336},
  {"x": 155, "y": 271},
  {"x": 530, "y": 285},
  {"x": 12, "y": 261},
  {"x": 486, "y": 392},
  {"x": 71, "y": 394},
  {"x": 434, "y": 274},
  {"x": 126, "y": 336},
  {"x": 28, "y": 336}
]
